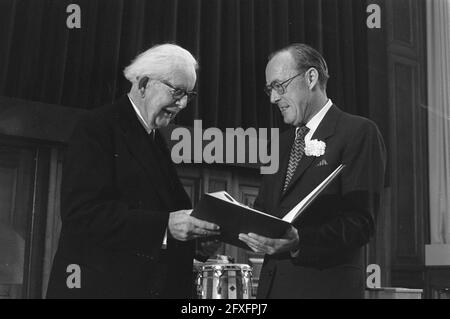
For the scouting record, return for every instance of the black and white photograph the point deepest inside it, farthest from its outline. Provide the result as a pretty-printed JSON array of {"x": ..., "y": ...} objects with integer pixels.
[{"x": 224, "y": 153}]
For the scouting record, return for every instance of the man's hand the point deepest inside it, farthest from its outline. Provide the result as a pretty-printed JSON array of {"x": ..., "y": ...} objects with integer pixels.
[
  {"x": 270, "y": 246},
  {"x": 184, "y": 227}
]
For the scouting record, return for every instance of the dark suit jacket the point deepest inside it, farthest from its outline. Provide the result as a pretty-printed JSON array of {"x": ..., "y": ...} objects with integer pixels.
[
  {"x": 334, "y": 229},
  {"x": 118, "y": 188}
]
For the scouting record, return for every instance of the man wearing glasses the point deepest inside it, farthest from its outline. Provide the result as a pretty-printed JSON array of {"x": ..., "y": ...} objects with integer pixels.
[
  {"x": 321, "y": 255},
  {"x": 126, "y": 225}
]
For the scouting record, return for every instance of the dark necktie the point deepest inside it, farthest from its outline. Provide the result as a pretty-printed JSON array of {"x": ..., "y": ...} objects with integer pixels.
[{"x": 297, "y": 151}]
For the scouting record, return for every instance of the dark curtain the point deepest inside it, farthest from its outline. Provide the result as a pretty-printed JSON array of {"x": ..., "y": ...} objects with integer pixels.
[{"x": 42, "y": 60}]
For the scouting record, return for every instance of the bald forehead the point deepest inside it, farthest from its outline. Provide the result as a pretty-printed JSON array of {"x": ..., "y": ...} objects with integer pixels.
[{"x": 280, "y": 67}]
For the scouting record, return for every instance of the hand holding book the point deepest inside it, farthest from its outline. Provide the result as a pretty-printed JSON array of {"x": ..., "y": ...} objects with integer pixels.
[
  {"x": 270, "y": 246},
  {"x": 183, "y": 227}
]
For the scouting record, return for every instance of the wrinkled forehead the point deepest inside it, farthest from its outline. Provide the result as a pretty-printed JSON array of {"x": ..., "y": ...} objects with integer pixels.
[{"x": 280, "y": 68}]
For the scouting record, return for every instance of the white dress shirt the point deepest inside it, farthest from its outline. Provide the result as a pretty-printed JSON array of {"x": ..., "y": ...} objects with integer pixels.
[{"x": 315, "y": 121}]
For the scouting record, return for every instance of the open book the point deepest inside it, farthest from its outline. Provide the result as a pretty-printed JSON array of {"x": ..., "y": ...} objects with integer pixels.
[{"x": 234, "y": 217}]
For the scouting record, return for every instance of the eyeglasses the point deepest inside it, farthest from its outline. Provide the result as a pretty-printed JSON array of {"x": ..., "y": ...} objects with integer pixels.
[
  {"x": 178, "y": 94},
  {"x": 280, "y": 88}
]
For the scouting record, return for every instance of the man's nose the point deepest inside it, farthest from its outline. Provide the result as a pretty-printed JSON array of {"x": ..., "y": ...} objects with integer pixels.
[
  {"x": 181, "y": 103},
  {"x": 274, "y": 96}
]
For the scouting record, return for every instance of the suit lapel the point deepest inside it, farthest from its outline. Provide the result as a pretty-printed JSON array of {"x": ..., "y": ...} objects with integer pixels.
[
  {"x": 140, "y": 147},
  {"x": 325, "y": 129}
]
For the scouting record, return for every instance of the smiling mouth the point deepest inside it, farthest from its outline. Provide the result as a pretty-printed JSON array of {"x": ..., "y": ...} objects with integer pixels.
[{"x": 283, "y": 108}]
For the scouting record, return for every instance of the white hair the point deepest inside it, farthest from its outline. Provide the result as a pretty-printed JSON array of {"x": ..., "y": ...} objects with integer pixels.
[{"x": 160, "y": 62}]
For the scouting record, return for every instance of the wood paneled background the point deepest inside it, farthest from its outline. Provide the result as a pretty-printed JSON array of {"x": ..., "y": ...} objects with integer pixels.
[{"x": 406, "y": 49}]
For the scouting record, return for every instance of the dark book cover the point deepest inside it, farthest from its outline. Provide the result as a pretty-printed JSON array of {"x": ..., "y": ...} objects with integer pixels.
[{"x": 234, "y": 219}]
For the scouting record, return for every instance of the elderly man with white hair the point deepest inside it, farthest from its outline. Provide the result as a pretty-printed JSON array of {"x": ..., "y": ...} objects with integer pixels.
[{"x": 126, "y": 229}]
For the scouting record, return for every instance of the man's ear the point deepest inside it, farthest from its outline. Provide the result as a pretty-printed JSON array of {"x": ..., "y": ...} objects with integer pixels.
[
  {"x": 312, "y": 78},
  {"x": 143, "y": 82},
  {"x": 142, "y": 85}
]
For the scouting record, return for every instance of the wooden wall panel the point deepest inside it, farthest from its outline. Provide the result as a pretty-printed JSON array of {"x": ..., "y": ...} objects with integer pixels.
[
  {"x": 17, "y": 181},
  {"x": 403, "y": 149},
  {"x": 408, "y": 146},
  {"x": 403, "y": 28},
  {"x": 53, "y": 226},
  {"x": 12, "y": 244}
]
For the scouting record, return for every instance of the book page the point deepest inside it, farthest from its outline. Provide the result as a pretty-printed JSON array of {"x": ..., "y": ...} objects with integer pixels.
[
  {"x": 305, "y": 202},
  {"x": 223, "y": 195}
]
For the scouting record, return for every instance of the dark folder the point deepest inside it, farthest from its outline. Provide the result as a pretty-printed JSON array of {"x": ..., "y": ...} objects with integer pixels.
[{"x": 235, "y": 218}]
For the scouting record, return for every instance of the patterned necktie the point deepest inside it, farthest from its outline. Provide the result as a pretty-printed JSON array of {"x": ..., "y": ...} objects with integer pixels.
[{"x": 297, "y": 151}]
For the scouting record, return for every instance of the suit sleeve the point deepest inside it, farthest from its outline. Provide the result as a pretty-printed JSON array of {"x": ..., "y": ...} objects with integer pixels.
[
  {"x": 259, "y": 201},
  {"x": 90, "y": 204},
  {"x": 353, "y": 224}
]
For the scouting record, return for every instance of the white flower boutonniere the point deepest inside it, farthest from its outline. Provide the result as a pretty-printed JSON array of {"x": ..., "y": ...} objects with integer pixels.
[{"x": 315, "y": 148}]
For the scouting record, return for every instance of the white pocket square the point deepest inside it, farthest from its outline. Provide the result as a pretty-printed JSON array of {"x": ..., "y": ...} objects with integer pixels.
[{"x": 322, "y": 163}]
